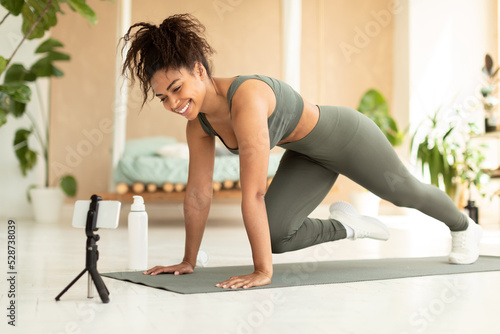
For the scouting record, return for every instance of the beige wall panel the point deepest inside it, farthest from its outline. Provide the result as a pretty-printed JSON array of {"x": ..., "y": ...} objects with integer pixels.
[
  {"x": 346, "y": 50},
  {"x": 351, "y": 25},
  {"x": 338, "y": 65},
  {"x": 311, "y": 55},
  {"x": 82, "y": 101}
]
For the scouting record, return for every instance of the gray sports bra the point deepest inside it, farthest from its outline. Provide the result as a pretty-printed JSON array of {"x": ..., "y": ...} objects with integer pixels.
[{"x": 283, "y": 120}]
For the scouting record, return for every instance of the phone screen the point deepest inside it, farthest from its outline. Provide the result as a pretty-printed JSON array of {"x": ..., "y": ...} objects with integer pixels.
[{"x": 108, "y": 214}]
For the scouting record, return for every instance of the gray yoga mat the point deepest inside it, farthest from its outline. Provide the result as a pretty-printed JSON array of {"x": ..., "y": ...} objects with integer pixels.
[{"x": 311, "y": 273}]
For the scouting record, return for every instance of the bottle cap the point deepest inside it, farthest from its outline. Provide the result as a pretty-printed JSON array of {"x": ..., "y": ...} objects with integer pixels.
[{"x": 138, "y": 204}]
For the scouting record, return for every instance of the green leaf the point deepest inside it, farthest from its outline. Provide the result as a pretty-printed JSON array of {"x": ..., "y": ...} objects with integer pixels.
[
  {"x": 399, "y": 138},
  {"x": 32, "y": 10},
  {"x": 374, "y": 106},
  {"x": 422, "y": 154},
  {"x": 3, "y": 64},
  {"x": 446, "y": 164},
  {"x": 27, "y": 158},
  {"x": 68, "y": 185},
  {"x": 448, "y": 172},
  {"x": 28, "y": 196},
  {"x": 44, "y": 68},
  {"x": 57, "y": 72},
  {"x": 83, "y": 9},
  {"x": 58, "y": 56},
  {"x": 392, "y": 132},
  {"x": 372, "y": 102},
  {"x": 13, "y": 6},
  {"x": 17, "y": 73},
  {"x": 17, "y": 109},
  {"x": 448, "y": 133},
  {"x": 9, "y": 105},
  {"x": 17, "y": 91},
  {"x": 413, "y": 138},
  {"x": 48, "y": 45},
  {"x": 435, "y": 163},
  {"x": 29, "y": 19},
  {"x": 3, "y": 117}
]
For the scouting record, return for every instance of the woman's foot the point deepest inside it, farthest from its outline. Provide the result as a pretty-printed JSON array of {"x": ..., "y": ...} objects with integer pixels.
[
  {"x": 362, "y": 226},
  {"x": 465, "y": 244}
]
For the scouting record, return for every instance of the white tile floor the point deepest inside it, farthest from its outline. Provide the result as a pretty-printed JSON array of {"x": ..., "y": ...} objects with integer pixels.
[{"x": 50, "y": 256}]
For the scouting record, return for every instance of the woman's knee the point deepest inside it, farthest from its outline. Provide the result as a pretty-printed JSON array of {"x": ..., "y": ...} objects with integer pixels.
[
  {"x": 280, "y": 236},
  {"x": 279, "y": 245}
]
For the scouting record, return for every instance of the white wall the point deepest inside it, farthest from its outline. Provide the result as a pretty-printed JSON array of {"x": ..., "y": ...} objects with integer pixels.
[
  {"x": 439, "y": 51},
  {"x": 13, "y": 186},
  {"x": 448, "y": 42}
]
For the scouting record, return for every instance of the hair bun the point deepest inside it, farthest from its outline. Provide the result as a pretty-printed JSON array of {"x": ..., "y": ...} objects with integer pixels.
[{"x": 178, "y": 42}]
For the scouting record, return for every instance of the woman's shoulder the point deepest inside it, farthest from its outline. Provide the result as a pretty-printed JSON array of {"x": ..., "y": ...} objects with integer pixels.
[
  {"x": 250, "y": 84},
  {"x": 246, "y": 93},
  {"x": 259, "y": 77}
]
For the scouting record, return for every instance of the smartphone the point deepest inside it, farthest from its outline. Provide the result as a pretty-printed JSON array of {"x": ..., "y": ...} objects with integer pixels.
[{"x": 108, "y": 214}]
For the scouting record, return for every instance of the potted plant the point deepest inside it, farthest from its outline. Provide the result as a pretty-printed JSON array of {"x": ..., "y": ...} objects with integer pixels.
[
  {"x": 15, "y": 95},
  {"x": 374, "y": 106},
  {"x": 444, "y": 148}
]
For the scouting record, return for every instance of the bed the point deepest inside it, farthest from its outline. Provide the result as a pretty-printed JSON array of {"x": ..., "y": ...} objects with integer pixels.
[{"x": 160, "y": 165}]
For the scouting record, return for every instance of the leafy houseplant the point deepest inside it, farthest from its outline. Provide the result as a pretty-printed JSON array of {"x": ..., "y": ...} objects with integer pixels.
[
  {"x": 14, "y": 97},
  {"x": 448, "y": 155},
  {"x": 38, "y": 16}
]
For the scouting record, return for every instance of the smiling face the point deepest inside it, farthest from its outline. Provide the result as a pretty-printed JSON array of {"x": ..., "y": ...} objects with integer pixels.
[{"x": 181, "y": 91}]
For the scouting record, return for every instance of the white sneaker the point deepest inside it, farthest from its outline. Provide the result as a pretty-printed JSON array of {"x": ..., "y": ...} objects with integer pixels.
[
  {"x": 363, "y": 226},
  {"x": 465, "y": 244}
]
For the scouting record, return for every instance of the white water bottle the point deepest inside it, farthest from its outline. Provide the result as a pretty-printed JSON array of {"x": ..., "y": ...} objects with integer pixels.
[{"x": 138, "y": 235}]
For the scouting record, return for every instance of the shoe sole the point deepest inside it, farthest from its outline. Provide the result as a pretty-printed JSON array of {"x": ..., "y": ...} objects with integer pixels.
[{"x": 479, "y": 235}]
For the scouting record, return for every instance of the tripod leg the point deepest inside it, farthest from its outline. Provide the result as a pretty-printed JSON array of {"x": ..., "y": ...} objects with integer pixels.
[
  {"x": 70, "y": 284},
  {"x": 90, "y": 287},
  {"x": 101, "y": 287}
]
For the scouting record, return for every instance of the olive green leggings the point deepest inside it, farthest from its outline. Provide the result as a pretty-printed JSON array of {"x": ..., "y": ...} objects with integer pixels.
[{"x": 343, "y": 142}]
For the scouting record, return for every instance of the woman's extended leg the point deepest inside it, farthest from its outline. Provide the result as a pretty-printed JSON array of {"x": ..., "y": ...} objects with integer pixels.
[
  {"x": 347, "y": 142},
  {"x": 369, "y": 160}
]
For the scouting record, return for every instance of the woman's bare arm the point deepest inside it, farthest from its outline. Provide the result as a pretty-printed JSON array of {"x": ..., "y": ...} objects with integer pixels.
[
  {"x": 199, "y": 189},
  {"x": 197, "y": 199},
  {"x": 250, "y": 108}
]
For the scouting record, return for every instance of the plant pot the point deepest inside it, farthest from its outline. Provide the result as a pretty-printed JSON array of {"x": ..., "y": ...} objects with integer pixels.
[
  {"x": 366, "y": 203},
  {"x": 47, "y": 204}
]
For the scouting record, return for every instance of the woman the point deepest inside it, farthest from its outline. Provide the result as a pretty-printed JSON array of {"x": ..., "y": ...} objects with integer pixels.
[{"x": 252, "y": 114}]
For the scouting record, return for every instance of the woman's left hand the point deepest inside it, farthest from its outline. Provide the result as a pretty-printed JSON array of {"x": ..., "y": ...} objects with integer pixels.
[{"x": 257, "y": 278}]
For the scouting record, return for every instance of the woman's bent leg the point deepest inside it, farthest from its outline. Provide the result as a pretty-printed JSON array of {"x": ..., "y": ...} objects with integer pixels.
[{"x": 299, "y": 186}]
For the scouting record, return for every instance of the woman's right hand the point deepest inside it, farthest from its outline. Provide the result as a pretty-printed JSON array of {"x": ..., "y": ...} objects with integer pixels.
[{"x": 178, "y": 269}]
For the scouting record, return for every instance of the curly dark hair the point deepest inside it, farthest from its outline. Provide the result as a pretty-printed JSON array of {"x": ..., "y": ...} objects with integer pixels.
[{"x": 177, "y": 43}]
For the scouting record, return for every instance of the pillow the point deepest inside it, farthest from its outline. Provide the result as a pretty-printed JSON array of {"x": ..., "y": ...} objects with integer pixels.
[
  {"x": 146, "y": 145},
  {"x": 176, "y": 150}
]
